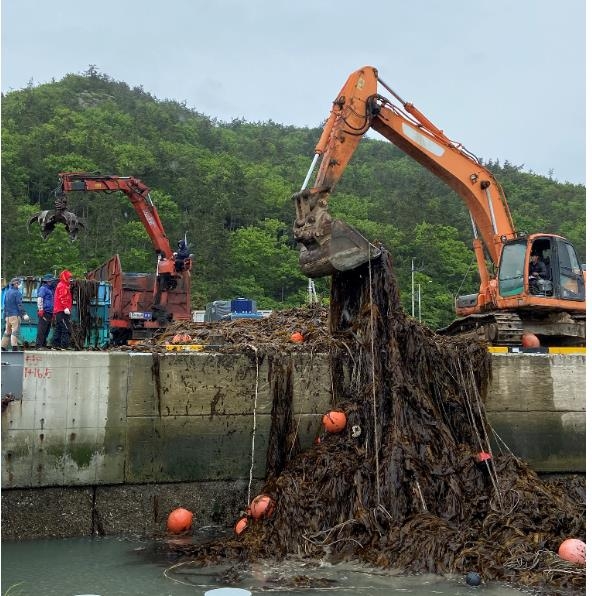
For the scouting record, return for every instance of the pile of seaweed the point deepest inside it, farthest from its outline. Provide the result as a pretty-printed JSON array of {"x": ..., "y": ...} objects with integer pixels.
[
  {"x": 270, "y": 334},
  {"x": 86, "y": 331},
  {"x": 401, "y": 486}
]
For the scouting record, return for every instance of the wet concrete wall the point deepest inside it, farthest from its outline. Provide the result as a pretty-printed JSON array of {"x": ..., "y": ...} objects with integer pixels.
[
  {"x": 537, "y": 406},
  {"x": 115, "y": 440},
  {"x": 89, "y": 418}
]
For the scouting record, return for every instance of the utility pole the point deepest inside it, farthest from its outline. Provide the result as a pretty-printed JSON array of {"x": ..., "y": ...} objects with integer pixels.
[
  {"x": 312, "y": 292},
  {"x": 419, "y": 297}
]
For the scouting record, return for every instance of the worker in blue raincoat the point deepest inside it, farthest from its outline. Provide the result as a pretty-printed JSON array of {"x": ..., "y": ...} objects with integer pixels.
[{"x": 13, "y": 313}]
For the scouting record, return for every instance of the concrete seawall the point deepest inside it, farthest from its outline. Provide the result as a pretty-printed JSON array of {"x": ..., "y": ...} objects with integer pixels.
[{"x": 117, "y": 439}]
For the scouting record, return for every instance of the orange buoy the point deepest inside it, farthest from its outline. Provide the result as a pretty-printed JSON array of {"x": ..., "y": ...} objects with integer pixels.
[
  {"x": 530, "y": 340},
  {"x": 261, "y": 506},
  {"x": 482, "y": 456},
  {"x": 180, "y": 338},
  {"x": 573, "y": 550},
  {"x": 179, "y": 520},
  {"x": 240, "y": 525},
  {"x": 335, "y": 421},
  {"x": 297, "y": 337}
]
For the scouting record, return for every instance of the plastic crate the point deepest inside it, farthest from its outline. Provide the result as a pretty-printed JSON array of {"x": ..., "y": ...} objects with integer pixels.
[{"x": 242, "y": 305}]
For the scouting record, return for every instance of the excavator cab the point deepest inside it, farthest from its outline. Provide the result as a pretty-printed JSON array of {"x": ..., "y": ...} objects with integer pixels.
[{"x": 541, "y": 266}]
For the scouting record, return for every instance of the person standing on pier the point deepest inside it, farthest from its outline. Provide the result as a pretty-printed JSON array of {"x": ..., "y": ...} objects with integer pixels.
[
  {"x": 62, "y": 307},
  {"x": 13, "y": 312},
  {"x": 44, "y": 309}
]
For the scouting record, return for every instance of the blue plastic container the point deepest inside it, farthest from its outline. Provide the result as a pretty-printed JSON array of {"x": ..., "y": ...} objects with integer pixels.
[
  {"x": 242, "y": 305},
  {"x": 99, "y": 311},
  {"x": 242, "y": 315}
]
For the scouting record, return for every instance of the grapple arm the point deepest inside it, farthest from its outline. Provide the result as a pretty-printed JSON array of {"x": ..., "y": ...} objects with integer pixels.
[{"x": 49, "y": 218}]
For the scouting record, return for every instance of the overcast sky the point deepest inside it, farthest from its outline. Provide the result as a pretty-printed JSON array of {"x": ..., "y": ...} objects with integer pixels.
[{"x": 504, "y": 77}]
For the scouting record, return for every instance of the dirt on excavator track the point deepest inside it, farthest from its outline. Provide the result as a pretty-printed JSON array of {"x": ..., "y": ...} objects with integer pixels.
[{"x": 400, "y": 487}]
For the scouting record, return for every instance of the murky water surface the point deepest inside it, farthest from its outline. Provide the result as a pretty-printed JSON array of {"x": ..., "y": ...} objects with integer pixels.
[{"x": 113, "y": 566}]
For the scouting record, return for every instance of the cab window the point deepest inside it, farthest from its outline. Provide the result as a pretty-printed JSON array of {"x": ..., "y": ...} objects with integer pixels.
[
  {"x": 571, "y": 278},
  {"x": 511, "y": 271}
]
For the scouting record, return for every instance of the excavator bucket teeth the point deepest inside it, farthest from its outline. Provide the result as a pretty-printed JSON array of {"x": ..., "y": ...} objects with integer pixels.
[{"x": 344, "y": 249}]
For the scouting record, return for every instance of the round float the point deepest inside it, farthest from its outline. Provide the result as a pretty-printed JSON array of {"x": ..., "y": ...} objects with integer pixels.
[
  {"x": 179, "y": 520},
  {"x": 573, "y": 550},
  {"x": 335, "y": 421},
  {"x": 261, "y": 506},
  {"x": 240, "y": 525}
]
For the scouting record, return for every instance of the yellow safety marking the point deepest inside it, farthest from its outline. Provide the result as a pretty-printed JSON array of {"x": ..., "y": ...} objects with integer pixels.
[
  {"x": 185, "y": 347},
  {"x": 567, "y": 351},
  {"x": 519, "y": 350}
]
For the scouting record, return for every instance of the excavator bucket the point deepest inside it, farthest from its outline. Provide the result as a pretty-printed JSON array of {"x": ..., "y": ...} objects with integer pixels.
[
  {"x": 342, "y": 249},
  {"x": 48, "y": 219}
]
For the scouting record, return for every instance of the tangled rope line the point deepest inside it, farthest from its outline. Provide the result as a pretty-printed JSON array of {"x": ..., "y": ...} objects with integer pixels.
[
  {"x": 254, "y": 423},
  {"x": 374, "y": 410}
]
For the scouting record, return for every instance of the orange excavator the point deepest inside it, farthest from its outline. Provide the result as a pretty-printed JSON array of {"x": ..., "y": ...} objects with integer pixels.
[
  {"x": 140, "y": 303},
  {"x": 512, "y": 299}
]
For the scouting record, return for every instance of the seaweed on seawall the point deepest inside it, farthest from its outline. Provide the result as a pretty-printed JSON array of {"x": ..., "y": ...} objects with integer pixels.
[{"x": 404, "y": 490}]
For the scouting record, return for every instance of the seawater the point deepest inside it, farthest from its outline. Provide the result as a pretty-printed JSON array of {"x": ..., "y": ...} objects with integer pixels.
[{"x": 109, "y": 566}]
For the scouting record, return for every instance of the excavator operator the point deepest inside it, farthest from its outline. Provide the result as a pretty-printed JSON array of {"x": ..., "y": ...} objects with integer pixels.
[
  {"x": 537, "y": 267},
  {"x": 537, "y": 270}
]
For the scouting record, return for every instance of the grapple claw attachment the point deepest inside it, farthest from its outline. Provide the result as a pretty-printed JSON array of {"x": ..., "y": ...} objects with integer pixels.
[{"x": 49, "y": 218}]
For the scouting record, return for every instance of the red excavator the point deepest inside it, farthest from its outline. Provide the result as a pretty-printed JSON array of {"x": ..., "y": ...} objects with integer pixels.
[
  {"x": 141, "y": 303},
  {"x": 512, "y": 299}
]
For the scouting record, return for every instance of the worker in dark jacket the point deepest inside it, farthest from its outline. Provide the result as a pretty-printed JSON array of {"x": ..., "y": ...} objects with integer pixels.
[
  {"x": 13, "y": 312},
  {"x": 537, "y": 268},
  {"x": 181, "y": 255},
  {"x": 537, "y": 272},
  {"x": 44, "y": 309},
  {"x": 62, "y": 307}
]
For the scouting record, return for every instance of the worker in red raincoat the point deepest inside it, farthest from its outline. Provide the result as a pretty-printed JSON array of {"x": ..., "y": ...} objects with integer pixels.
[{"x": 62, "y": 308}]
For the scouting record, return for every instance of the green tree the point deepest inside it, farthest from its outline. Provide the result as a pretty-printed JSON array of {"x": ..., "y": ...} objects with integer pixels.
[{"x": 265, "y": 268}]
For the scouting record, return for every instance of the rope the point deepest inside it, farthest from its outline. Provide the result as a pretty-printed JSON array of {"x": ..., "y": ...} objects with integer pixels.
[
  {"x": 378, "y": 504},
  {"x": 492, "y": 470},
  {"x": 463, "y": 280},
  {"x": 475, "y": 392},
  {"x": 254, "y": 424}
]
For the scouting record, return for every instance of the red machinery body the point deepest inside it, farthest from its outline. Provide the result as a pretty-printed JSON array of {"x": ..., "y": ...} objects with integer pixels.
[
  {"x": 141, "y": 302},
  {"x": 131, "y": 315}
]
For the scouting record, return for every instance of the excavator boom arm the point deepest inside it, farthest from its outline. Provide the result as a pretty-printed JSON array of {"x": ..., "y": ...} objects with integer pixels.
[{"x": 358, "y": 108}]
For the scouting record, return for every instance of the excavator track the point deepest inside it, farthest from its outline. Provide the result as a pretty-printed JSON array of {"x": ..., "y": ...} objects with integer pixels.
[
  {"x": 507, "y": 329},
  {"x": 498, "y": 329}
]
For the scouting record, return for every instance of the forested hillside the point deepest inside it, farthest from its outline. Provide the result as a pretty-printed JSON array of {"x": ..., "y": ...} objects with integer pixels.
[{"x": 228, "y": 185}]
